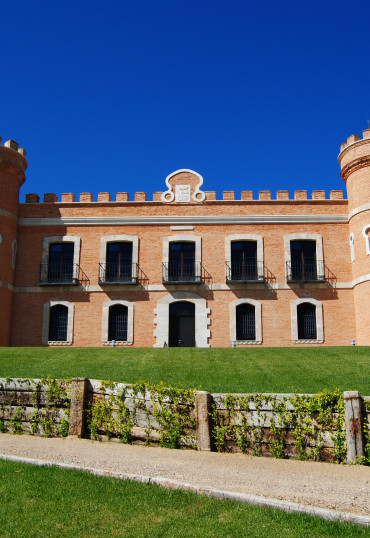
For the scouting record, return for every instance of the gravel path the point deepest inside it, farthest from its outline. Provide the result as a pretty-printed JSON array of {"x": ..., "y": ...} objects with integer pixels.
[{"x": 321, "y": 485}]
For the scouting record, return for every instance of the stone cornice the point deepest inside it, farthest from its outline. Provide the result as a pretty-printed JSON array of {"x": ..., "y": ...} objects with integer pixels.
[
  {"x": 184, "y": 219},
  {"x": 351, "y": 167}
]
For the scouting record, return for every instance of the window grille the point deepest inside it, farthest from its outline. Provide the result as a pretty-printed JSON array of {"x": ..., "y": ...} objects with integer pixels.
[
  {"x": 245, "y": 322},
  {"x": 58, "y": 324},
  {"x": 117, "y": 329},
  {"x": 306, "y": 314}
]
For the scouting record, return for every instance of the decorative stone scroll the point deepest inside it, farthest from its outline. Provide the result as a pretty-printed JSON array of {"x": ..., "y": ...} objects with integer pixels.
[{"x": 184, "y": 187}]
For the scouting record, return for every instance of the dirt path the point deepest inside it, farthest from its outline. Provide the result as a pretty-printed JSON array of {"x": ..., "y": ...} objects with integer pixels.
[{"x": 322, "y": 485}]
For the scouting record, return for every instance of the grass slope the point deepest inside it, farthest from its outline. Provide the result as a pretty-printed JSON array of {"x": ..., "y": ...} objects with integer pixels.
[
  {"x": 41, "y": 501},
  {"x": 301, "y": 369}
]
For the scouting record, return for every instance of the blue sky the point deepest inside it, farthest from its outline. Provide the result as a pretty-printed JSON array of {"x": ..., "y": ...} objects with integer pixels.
[{"x": 115, "y": 96}]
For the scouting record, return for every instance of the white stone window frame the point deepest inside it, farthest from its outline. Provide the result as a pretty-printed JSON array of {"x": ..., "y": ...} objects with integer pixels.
[
  {"x": 161, "y": 320},
  {"x": 119, "y": 239},
  {"x": 46, "y": 324},
  {"x": 304, "y": 237},
  {"x": 245, "y": 237},
  {"x": 352, "y": 246},
  {"x": 130, "y": 323},
  {"x": 60, "y": 239},
  {"x": 319, "y": 321},
  {"x": 365, "y": 233},
  {"x": 257, "y": 317},
  {"x": 182, "y": 239},
  {"x": 14, "y": 253}
]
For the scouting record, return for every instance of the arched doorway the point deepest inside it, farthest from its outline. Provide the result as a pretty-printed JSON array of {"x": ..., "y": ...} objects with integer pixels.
[{"x": 182, "y": 324}]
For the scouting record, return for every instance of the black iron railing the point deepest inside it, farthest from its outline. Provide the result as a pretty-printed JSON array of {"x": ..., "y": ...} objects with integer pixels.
[
  {"x": 247, "y": 271},
  {"x": 118, "y": 273},
  {"x": 59, "y": 273},
  {"x": 306, "y": 271},
  {"x": 182, "y": 272}
]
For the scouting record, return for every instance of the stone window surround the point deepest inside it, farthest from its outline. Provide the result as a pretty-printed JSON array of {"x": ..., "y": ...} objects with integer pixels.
[
  {"x": 186, "y": 239},
  {"x": 352, "y": 246},
  {"x": 304, "y": 237},
  {"x": 130, "y": 323},
  {"x": 365, "y": 233},
  {"x": 46, "y": 323},
  {"x": 59, "y": 239},
  {"x": 119, "y": 239},
  {"x": 319, "y": 321},
  {"x": 258, "y": 320},
  {"x": 202, "y": 333},
  {"x": 244, "y": 237}
]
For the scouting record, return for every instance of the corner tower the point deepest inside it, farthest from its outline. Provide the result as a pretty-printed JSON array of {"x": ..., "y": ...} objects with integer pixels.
[
  {"x": 12, "y": 167},
  {"x": 354, "y": 159}
]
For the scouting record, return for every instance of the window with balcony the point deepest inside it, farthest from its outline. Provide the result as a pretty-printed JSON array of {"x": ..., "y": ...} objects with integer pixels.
[
  {"x": 304, "y": 258},
  {"x": 60, "y": 259},
  {"x": 244, "y": 258},
  {"x": 182, "y": 260},
  {"x": 119, "y": 260}
]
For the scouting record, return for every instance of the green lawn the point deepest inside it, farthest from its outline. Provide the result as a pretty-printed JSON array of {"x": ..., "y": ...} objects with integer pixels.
[
  {"x": 42, "y": 501},
  {"x": 306, "y": 370}
]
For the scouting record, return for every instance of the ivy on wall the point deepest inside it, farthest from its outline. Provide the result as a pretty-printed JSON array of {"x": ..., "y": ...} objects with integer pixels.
[
  {"x": 257, "y": 421},
  {"x": 167, "y": 410},
  {"x": 40, "y": 408}
]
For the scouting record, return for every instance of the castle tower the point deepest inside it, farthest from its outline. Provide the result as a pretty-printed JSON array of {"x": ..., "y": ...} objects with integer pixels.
[
  {"x": 354, "y": 159},
  {"x": 12, "y": 167}
]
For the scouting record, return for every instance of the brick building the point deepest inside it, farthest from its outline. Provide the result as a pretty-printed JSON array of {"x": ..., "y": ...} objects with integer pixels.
[{"x": 186, "y": 269}]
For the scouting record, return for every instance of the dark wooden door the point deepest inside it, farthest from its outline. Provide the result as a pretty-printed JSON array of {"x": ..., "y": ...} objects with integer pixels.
[{"x": 182, "y": 324}]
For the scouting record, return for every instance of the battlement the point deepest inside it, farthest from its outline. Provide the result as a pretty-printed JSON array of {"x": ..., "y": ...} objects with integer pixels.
[
  {"x": 355, "y": 138},
  {"x": 11, "y": 144},
  {"x": 14, "y": 158},
  {"x": 210, "y": 196}
]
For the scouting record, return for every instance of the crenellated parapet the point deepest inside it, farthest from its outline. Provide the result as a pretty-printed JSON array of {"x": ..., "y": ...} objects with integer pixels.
[
  {"x": 210, "y": 196},
  {"x": 13, "y": 158}
]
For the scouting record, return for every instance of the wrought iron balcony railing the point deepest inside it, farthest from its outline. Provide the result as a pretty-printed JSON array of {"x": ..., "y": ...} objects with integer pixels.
[
  {"x": 182, "y": 272},
  {"x": 248, "y": 271},
  {"x": 118, "y": 273},
  {"x": 59, "y": 273},
  {"x": 306, "y": 271}
]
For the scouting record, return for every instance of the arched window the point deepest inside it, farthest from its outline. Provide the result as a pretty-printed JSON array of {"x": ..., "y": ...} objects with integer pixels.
[
  {"x": 306, "y": 317},
  {"x": 58, "y": 323},
  {"x": 117, "y": 324},
  {"x": 245, "y": 322}
]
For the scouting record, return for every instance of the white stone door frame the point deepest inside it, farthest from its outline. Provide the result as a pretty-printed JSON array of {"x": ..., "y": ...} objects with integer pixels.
[{"x": 161, "y": 320}]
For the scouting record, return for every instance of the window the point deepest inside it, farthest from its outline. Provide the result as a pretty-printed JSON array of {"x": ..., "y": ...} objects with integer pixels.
[
  {"x": 244, "y": 258},
  {"x": 60, "y": 260},
  {"x": 14, "y": 253},
  {"x": 182, "y": 260},
  {"x": 304, "y": 258},
  {"x": 246, "y": 321},
  {"x": 118, "y": 323},
  {"x": 365, "y": 233},
  {"x": 307, "y": 321},
  {"x": 306, "y": 315},
  {"x": 119, "y": 260},
  {"x": 58, "y": 323}
]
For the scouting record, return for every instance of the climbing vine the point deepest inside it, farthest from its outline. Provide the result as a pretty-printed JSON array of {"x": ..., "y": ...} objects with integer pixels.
[
  {"x": 38, "y": 407},
  {"x": 167, "y": 411},
  {"x": 299, "y": 424}
]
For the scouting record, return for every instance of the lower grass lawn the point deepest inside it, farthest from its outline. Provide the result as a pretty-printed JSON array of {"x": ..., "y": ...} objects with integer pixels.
[
  {"x": 307, "y": 370},
  {"x": 47, "y": 501}
]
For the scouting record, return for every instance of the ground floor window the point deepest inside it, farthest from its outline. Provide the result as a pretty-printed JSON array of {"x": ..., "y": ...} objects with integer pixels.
[
  {"x": 58, "y": 323},
  {"x": 245, "y": 322},
  {"x": 118, "y": 323},
  {"x": 307, "y": 321}
]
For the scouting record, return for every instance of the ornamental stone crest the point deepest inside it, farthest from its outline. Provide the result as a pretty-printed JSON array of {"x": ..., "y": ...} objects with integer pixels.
[{"x": 184, "y": 187}]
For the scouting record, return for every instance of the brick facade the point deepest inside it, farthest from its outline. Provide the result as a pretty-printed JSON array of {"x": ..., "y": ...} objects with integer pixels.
[{"x": 182, "y": 267}]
